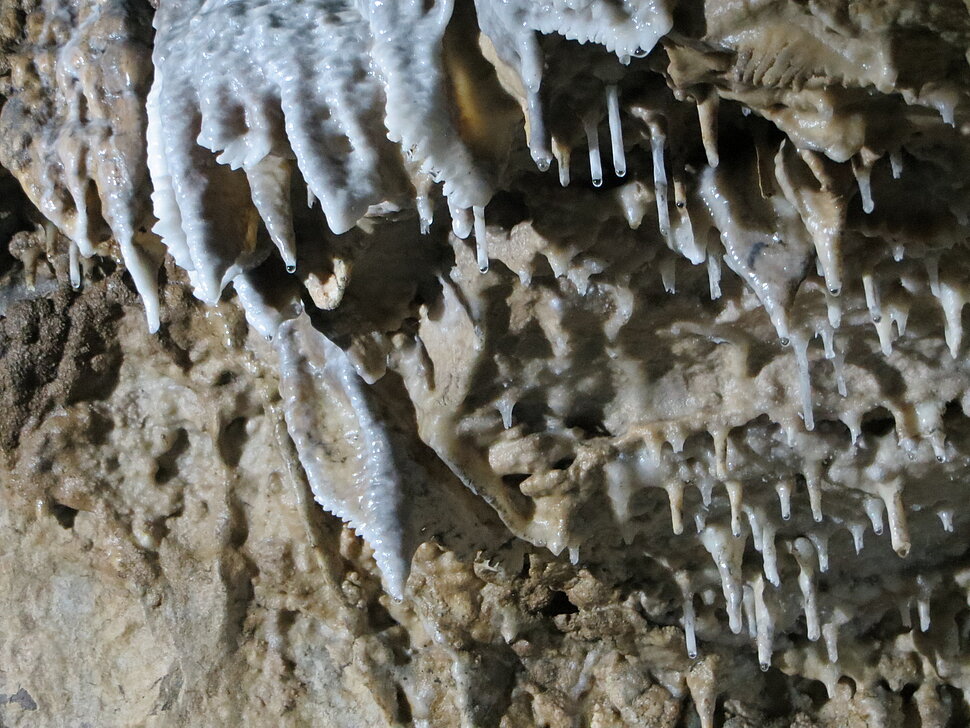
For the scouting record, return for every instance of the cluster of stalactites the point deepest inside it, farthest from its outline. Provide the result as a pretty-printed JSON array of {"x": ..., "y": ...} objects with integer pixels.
[
  {"x": 74, "y": 131},
  {"x": 249, "y": 95},
  {"x": 355, "y": 100}
]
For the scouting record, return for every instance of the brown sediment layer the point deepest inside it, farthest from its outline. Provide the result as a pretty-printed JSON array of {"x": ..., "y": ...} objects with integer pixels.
[{"x": 689, "y": 407}]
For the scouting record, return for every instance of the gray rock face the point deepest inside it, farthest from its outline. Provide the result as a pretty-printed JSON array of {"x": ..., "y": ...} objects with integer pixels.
[{"x": 674, "y": 434}]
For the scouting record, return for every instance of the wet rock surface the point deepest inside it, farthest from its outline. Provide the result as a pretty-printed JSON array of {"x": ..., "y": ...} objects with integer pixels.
[{"x": 691, "y": 450}]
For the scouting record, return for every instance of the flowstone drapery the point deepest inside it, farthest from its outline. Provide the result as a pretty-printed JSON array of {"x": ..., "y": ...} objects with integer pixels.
[{"x": 627, "y": 339}]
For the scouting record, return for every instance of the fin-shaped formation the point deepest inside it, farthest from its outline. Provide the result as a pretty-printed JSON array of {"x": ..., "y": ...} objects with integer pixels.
[{"x": 570, "y": 347}]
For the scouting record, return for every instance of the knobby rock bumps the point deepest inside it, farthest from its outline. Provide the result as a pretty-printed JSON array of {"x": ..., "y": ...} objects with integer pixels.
[{"x": 670, "y": 291}]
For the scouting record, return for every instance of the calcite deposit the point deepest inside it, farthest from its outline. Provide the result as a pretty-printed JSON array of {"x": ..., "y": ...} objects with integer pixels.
[{"x": 484, "y": 363}]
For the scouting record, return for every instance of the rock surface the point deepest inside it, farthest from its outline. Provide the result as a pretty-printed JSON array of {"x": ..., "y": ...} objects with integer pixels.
[{"x": 678, "y": 443}]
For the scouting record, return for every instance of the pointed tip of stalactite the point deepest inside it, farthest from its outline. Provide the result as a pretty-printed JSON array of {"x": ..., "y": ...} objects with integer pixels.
[
  {"x": 394, "y": 584},
  {"x": 593, "y": 144},
  {"x": 616, "y": 130},
  {"x": 153, "y": 321}
]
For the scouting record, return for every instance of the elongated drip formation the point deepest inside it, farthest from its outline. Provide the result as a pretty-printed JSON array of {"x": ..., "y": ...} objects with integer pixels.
[
  {"x": 79, "y": 152},
  {"x": 586, "y": 371}
]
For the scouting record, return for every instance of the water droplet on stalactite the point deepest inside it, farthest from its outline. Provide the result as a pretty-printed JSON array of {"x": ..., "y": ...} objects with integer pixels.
[
  {"x": 680, "y": 193},
  {"x": 735, "y": 497},
  {"x": 562, "y": 154},
  {"x": 668, "y": 274},
  {"x": 804, "y": 553},
  {"x": 593, "y": 142},
  {"x": 538, "y": 144},
  {"x": 784, "y": 490},
  {"x": 765, "y": 625},
  {"x": 946, "y": 518},
  {"x": 874, "y": 508},
  {"x": 481, "y": 239},
  {"x": 269, "y": 188},
  {"x": 616, "y": 129},
  {"x": 291, "y": 268},
  {"x": 658, "y": 141},
  {"x": 898, "y": 530},
  {"x": 800, "y": 347},
  {"x": 74, "y": 265},
  {"x": 690, "y": 627},
  {"x": 707, "y": 117},
  {"x": 863, "y": 173},
  {"x": 675, "y": 493},
  {"x": 896, "y": 162},
  {"x": 872, "y": 296},
  {"x": 727, "y": 552}
]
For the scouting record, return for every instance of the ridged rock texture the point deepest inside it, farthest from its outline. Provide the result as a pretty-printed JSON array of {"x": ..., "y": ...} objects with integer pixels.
[{"x": 571, "y": 364}]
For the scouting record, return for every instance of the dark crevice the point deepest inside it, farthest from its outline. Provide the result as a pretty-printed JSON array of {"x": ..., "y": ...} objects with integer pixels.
[
  {"x": 64, "y": 515},
  {"x": 878, "y": 422},
  {"x": 559, "y": 604},
  {"x": 514, "y": 480},
  {"x": 168, "y": 461},
  {"x": 404, "y": 714}
]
